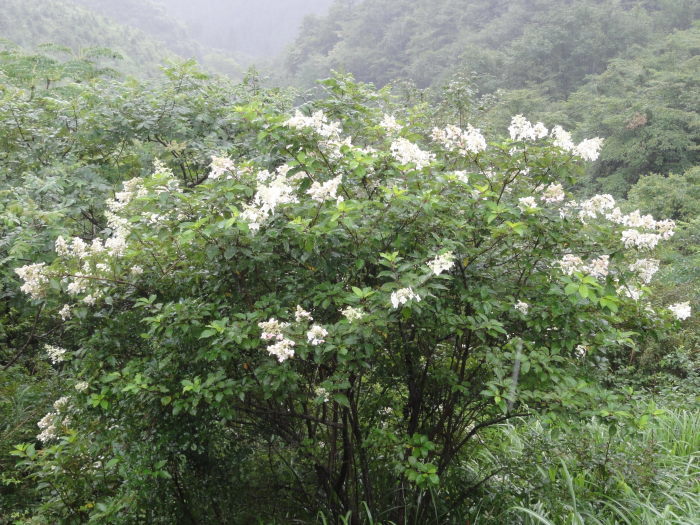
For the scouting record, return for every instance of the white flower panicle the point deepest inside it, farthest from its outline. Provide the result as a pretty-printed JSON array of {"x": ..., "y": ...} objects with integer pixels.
[
  {"x": 680, "y": 310},
  {"x": 302, "y": 315},
  {"x": 65, "y": 312},
  {"x": 316, "y": 335},
  {"x": 56, "y": 354},
  {"x": 272, "y": 329},
  {"x": 631, "y": 291},
  {"x": 581, "y": 351},
  {"x": 406, "y": 152},
  {"x": 322, "y": 394},
  {"x": 322, "y": 192},
  {"x": 442, "y": 263},
  {"x": 642, "y": 241},
  {"x": 645, "y": 269},
  {"x": 219, "y": 166},
  {"x": 525, "y": 203},
  {"x": 47, "y": 425},
  {"x": 597, "y": 267},
  {"x": 317, "y": 122},
  {"x": 283, "y": 349},
  {"x": 35, "y": 279},
  {"x": 352, "y": 314},
  {"x": 589, "y": 149},
  {"x": 522, "y": 307},
  {"x": 271, "y": 191},
  {"x": 553, "y": 193},
  {"x": 389, "y": 123},
  {"x": 402, "y": 296},
  {"x": 81, "y": 386},
  {"x": 562, "y": 138},
  {"x": 460, "y": 141},
  {"x": 521, "y": 129},
  {"x": 596, "y": 205}
]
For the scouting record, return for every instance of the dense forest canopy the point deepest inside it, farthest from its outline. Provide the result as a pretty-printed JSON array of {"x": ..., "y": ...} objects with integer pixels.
[{"x": 434, "y": 262}]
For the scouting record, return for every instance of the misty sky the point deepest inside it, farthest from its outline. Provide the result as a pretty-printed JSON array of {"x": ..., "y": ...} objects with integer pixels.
[{"x": 254, "y": 27}]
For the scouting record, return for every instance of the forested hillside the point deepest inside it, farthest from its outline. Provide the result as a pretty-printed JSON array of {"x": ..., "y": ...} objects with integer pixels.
[
  {"x": 457, "y": 287},
  {"x": 139, "y": 32}
]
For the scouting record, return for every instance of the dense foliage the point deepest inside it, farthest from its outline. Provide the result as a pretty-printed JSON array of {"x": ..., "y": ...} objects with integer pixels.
[{"x": 218, "y": 307}]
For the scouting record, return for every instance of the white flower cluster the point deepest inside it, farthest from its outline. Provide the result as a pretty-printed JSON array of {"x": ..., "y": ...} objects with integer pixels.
[
  {"x": 406, "y": 152},
  {"x": 680, "y": 310},
  {"x": 596, "y": 205},
  {"x": 322, "y": 192},
  {"x": 631, "y": 291},
  {"x": 330, "y": 131},
  {"x": 50, "y": 423},
  {"x": 597, "y": 267},
  {"x": 645, "y": 269},
  {"x": 442, "y": 263},
  {"x": 521, "y": 129},
  {"x": 316, "y": 335},
  {"x": 302, "y": 315},
  {"x": 322, "y": 394},
  {"x": 553, "y": 193},
  {"x": 352, "y": 314},
  {"x": 526, "y": 203},
  {"x": 389, "y": 123},
  {"x": 588, "y": 149},
  {"x": 402, "y": 296},
  {"x": 35, "y": 279},
  {"x": 56, "y": 354},
  {"x": 522, "y": 307},
  {"x": 458, "y": 140},
  {"x": 283, "y": 348},
  {"x": 219, "y": 166},
  {"x": 271, "y": 191},
  {"x": 272, "y": 329},
  {"x": 82, "y": 386},
  {"x": 65, "y": 312}
]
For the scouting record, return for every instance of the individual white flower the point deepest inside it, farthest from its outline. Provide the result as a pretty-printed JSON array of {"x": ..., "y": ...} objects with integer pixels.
[
  {"x": 65, "y": 312},
  {"x": 526, "y": 203},
  {"x": 589, "y": 149},
  {"x": 522, "y": 307},
  {"x": 407, "y": 152},
  {"x": 56, "y": 354},
  {"x": 553, "y": 193},
  {"x": 645, "y": 269},
  {"x": 81, "y": 386},
  {"x": 352, "y": 314},
  {"x": 442, "y": 263},
  {"x": 316, "y": 335},
  {"x": 680, "y": 310},
  {"x": 389, "y": 123},
  {"x": 322, "y": 192},
  {"x": 402, "y": 296},
  {"x": 282, "y": 349},
  {"x": 219, "y": 166},
  {"x": 302, "y": 315}
]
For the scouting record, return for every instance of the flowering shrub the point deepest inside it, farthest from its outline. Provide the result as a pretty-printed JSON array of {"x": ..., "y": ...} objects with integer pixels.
[{"x": 355, "y": 310}]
